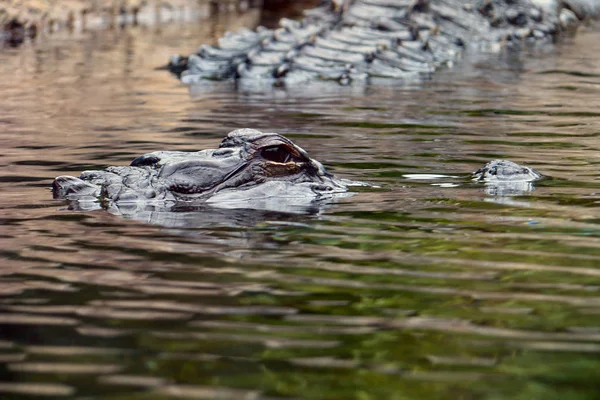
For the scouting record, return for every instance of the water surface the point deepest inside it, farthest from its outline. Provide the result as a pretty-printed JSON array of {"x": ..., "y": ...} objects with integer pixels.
[{"x": 428, "y": 287}]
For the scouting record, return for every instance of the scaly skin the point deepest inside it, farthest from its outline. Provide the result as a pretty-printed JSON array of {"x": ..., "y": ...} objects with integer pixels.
[
  {"x": 248, "y": 165},
  {"x": 355, "y": 40}
]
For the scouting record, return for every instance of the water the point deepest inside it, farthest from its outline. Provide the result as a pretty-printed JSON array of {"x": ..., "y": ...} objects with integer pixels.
[{"x": 428, "y": 287}]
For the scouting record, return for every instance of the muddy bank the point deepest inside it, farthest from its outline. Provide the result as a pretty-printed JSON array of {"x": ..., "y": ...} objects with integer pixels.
[
  {"x": 22, "y": 20},
  {"x": 274, "y": 9}
]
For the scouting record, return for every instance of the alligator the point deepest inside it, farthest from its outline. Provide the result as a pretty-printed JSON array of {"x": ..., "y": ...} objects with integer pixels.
[
  {"x": 350, "y": 40},
  {"x": 250, "y": 169}
]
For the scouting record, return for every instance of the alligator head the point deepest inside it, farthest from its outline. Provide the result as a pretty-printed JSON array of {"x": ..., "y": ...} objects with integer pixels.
[{"x": 248, "y": 167}]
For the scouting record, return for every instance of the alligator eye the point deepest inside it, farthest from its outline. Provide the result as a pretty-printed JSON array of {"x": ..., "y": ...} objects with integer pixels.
[{"x": 279, "y": 154}]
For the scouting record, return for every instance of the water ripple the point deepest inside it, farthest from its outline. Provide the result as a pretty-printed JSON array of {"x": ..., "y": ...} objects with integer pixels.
[
  {"x": 426, "y": 284},
  {"x": 36, "y": 389}
]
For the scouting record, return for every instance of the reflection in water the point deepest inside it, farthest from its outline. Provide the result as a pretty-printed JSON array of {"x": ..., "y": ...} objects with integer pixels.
[
  {"x": 202, "y": 216},
  {"x": 508, "y": 188},
  {"x": 421, "y": 288}
]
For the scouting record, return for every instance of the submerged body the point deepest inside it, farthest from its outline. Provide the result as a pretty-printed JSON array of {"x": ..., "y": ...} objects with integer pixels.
[{"x": 250, "y": 169}]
